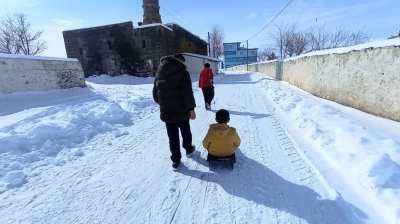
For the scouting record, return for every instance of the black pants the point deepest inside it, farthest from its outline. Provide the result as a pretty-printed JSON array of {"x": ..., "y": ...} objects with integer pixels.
[
  {"x": 173, "y": 135},
  {"x": 208, "y": 94}
]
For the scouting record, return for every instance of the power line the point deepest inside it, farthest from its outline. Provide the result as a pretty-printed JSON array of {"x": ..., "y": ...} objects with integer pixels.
[
  {"x": 270, "y": 21},
  {"x": 181, "y": 15},
  {"x": 176, "y": 18}
]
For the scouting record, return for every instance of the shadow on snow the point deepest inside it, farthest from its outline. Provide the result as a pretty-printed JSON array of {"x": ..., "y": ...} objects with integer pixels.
[{"x": 255, "y": 182}]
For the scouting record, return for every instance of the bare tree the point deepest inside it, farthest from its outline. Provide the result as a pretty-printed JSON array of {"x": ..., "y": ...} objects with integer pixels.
[
  {"x": 282, "y": 35},
  {"x": 266, "y": 55},
  {"x": 359, "y": 37},
  {"x": 322, "y": 38},
  {"x": 18, "y": 37},
  {"x": 216, "y": 42},
  {"x": 290, "y": 41},
  {"x": 319, "y": 37},
  {"x": 295, "y": 42}
]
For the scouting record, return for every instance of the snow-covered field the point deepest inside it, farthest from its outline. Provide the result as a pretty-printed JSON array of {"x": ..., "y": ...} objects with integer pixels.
[{"x": 100, "y": 155}]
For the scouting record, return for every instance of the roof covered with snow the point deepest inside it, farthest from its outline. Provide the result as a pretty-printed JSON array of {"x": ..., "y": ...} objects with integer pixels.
[
  {"x": 20, "y": 56},
  {"x": 343, "y": 50},
  {"x": 150, "y": 25},
  {"x": 202, "y": 56},
  {"x": 175, "y": 24}
]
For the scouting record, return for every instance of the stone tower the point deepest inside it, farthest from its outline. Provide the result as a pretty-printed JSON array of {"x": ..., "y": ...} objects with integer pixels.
[{"x": 151, "y": 12}]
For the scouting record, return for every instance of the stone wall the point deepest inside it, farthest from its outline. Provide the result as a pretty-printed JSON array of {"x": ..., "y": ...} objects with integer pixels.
[
  {"x": 366, "y": 79},
  {"x": 105, "y": 49},
  {"x": 187, "y": 42},
  {"x": 156, "y": 40},
  {"x": 24, "y": 73},
  {"x": 151, "y": 12},
  {"x": 153, "y": 42}
]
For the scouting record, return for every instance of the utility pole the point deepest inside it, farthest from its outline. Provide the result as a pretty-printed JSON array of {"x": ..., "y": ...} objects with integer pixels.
[
  {"x": 247, "y": 55},
  {"x": 209, "y": 45}
]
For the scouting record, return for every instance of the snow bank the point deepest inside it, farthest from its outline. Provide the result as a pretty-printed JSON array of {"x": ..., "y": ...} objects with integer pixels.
[
  {"x": 20, "y": 56},
  {"x": 52, "y": 135},
  {"x": 121, "y": 79},
  {"x": 135, "y": 97},
  {"x": 369, "y": 156},
  {"x": 343, "y": 50},
  {"x": 357, "y": 76}
]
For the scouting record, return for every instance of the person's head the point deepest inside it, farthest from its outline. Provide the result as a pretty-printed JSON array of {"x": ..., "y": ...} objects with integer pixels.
[
  {"x": 206, "y": 65},
  {"x": 222, "y": 116},
  {"x": 179, "y": 56}
]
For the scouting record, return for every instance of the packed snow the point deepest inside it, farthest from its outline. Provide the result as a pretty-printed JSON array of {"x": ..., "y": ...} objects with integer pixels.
[
  {"x": 343, "y": 50},
  {"x": 361, "y": 151},
  {"x": 202, "y": 56},
  {"x": 22, "y": 56},
  {"x": 152, "y": 25},
  {"x": 100, "y": 155}
]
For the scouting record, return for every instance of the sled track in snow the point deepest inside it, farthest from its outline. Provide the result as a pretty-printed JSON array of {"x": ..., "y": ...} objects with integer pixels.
[
  {"x": 303, "y": 164},
  {"x": 195, "y": 169}
]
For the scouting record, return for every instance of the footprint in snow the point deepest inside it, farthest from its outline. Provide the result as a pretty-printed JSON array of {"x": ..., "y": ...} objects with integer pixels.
[{"x": 296, "y": 99}]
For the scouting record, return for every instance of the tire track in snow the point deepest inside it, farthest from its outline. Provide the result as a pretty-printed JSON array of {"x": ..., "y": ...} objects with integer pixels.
[
  {"x": 215, "y": 199},
  {"x": 175, "y": 192},
  {"x": 199, "y": 140},
  {"x": 268, "y": 188},
  {"x": 307, "y": 173}
]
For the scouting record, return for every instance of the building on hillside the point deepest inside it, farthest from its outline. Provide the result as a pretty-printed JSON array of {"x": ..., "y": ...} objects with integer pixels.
[
  {"x": 195, "y": 63},
  {"x": 234, "y": 54},
  {"x": 126, "y": 49}
]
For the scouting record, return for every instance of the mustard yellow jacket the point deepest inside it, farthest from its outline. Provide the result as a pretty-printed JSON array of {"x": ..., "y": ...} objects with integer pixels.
[{"x": 221, "y": 140}]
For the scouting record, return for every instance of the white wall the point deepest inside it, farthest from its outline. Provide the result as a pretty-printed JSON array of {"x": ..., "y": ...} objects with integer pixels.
[
  {"x": 39, "y": 73},
  {"x": 196, "y": 64},
  {"x": 366, "y": 79}
]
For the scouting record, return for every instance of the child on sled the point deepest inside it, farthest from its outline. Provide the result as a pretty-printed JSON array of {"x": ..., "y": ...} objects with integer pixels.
[{"x": 221, "y": 139}]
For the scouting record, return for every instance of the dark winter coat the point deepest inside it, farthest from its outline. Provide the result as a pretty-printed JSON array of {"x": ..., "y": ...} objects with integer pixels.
[{"x": 173, "y": 90}]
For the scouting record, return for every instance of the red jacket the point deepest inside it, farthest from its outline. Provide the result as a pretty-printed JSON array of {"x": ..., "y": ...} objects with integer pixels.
[{"x": 206, "y": 78}]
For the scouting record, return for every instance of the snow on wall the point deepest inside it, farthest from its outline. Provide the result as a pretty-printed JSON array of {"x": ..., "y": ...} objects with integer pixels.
[
  {"x": 367, "y": 80},
  {"x": 363, "y": 78},
  {"x": 39, "y": 73}
]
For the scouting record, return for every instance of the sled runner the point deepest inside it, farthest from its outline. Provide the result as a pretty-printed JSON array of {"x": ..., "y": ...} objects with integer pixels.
[{"x": 229, "y": 159}]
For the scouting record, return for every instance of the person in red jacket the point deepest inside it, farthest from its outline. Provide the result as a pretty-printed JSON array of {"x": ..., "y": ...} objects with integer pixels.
[{"x": 206, "y": 83}]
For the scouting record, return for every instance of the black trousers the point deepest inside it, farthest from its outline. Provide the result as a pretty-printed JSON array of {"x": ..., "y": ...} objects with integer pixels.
[
  {"x": 173, "y": 135},
  {"x": 208, "y": 94}
]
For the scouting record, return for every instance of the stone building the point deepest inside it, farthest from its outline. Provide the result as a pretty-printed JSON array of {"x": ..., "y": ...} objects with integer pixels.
[{"x": 126, "y": 49}]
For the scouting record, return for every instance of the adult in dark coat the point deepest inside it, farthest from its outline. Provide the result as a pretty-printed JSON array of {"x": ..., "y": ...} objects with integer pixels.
[{"x": 173, "y": 92}]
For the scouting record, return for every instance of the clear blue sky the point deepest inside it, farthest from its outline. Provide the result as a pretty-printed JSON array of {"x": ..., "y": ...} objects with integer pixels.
[{"x": 239, "y": 19}]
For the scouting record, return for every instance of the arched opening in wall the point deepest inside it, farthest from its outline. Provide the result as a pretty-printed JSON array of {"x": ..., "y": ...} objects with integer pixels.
[
  {"x": 143, "y": 44},
  {"x": 80, "y": 51},
  {"x": 109, "y": 45}
]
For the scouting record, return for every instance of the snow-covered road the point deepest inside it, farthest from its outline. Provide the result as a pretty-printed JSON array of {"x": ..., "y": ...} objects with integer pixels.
[{"x": 129, "y": 179}]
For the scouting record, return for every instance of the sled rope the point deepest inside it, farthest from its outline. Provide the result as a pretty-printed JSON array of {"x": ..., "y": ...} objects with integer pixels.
[
  {"x": 191, "y": 177},
  {"x": 205, "y": 193}
]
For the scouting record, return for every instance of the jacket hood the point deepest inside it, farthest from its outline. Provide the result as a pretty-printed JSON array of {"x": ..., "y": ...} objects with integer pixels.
[
  {"x": 220, "y": 130},
  {"x": 170, "y": 65}
]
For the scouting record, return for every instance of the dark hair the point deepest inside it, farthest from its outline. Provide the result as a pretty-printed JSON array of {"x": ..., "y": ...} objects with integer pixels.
[
  {"x": 179, "y": 56},
  {"x": 206, "y": 65},
  {"x": 222, "y": 116}
]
